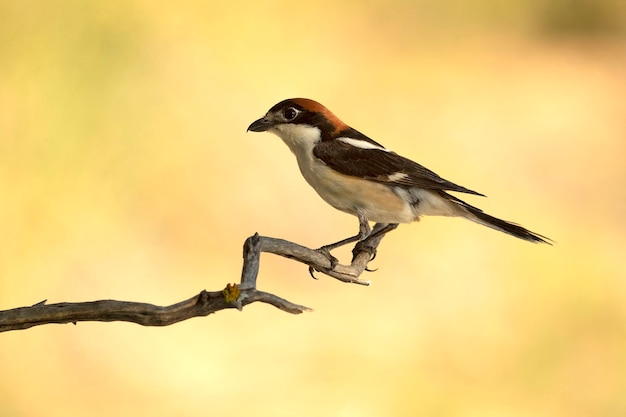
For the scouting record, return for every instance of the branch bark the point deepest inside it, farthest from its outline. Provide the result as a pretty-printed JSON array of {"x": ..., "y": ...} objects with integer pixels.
[{"x": 204, "y": 303}]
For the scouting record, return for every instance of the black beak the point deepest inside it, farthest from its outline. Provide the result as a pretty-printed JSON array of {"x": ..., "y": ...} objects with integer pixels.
[{"x": 261, "y": 125}]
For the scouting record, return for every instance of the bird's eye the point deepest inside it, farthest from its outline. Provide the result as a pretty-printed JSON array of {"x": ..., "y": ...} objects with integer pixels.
[{"x": 290, "y": 113}]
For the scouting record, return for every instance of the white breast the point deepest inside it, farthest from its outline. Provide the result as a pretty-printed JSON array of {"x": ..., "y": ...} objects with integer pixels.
[{"x": 376, "y": 201}]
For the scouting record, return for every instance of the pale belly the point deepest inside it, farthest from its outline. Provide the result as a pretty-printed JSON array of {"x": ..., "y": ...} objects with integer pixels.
[{"x": 375, "y": 201}]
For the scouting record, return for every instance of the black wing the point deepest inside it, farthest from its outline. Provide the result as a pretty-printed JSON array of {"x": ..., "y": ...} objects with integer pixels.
[{"x": 381, "y": 166}]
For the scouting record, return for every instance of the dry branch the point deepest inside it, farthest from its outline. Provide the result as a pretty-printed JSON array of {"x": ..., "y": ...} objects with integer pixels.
[{"x": 203, "y": 304}]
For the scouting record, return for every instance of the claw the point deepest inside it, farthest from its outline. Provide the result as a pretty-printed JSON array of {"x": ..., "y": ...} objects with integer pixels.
[
  {"x": 326, "y": 252},
  {"x": 362, "y": 247}
]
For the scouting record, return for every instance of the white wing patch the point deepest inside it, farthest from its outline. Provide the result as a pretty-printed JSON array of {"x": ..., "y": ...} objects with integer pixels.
[
  {"x": 397, "y": 176},
  {"x": 357, "y": 143}
]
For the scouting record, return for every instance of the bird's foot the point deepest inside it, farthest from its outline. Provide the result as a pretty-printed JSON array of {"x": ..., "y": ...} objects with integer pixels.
[
  {"x": 324, "y": 250},
  {"x": 364, "y": 246},
  {"x": 370, "y": 243}
]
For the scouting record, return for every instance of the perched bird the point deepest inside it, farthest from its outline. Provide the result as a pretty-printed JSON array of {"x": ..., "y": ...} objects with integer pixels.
[{"x": 359, "y": 176}]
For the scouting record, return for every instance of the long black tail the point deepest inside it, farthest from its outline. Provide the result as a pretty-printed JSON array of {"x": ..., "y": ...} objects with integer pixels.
[
  {"x": 477, "y": 215},
  {"x": 507, "y": 227}
]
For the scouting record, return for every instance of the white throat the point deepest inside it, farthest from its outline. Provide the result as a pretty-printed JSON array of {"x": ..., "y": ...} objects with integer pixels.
[{"x": 299, "y": 138}]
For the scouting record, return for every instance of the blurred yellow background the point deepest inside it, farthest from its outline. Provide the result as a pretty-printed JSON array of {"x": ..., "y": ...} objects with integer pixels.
[{"x": 126, "y": 173}]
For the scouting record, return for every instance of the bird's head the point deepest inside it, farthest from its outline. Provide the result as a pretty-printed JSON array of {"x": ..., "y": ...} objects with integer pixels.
[{"x": 298, "y": 120}]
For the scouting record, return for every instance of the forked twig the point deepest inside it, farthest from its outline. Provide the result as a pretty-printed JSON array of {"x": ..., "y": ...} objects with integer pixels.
[{"x": 202, "y": 304}]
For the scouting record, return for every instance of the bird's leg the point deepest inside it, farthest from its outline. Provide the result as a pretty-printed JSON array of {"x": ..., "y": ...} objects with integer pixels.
[
  {"x": 364, "y": 232},
  {"x": 380, "y": 229}
]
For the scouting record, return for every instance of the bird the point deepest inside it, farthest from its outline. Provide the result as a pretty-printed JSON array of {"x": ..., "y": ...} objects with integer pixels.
[{"x": 359, "y": 176}]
